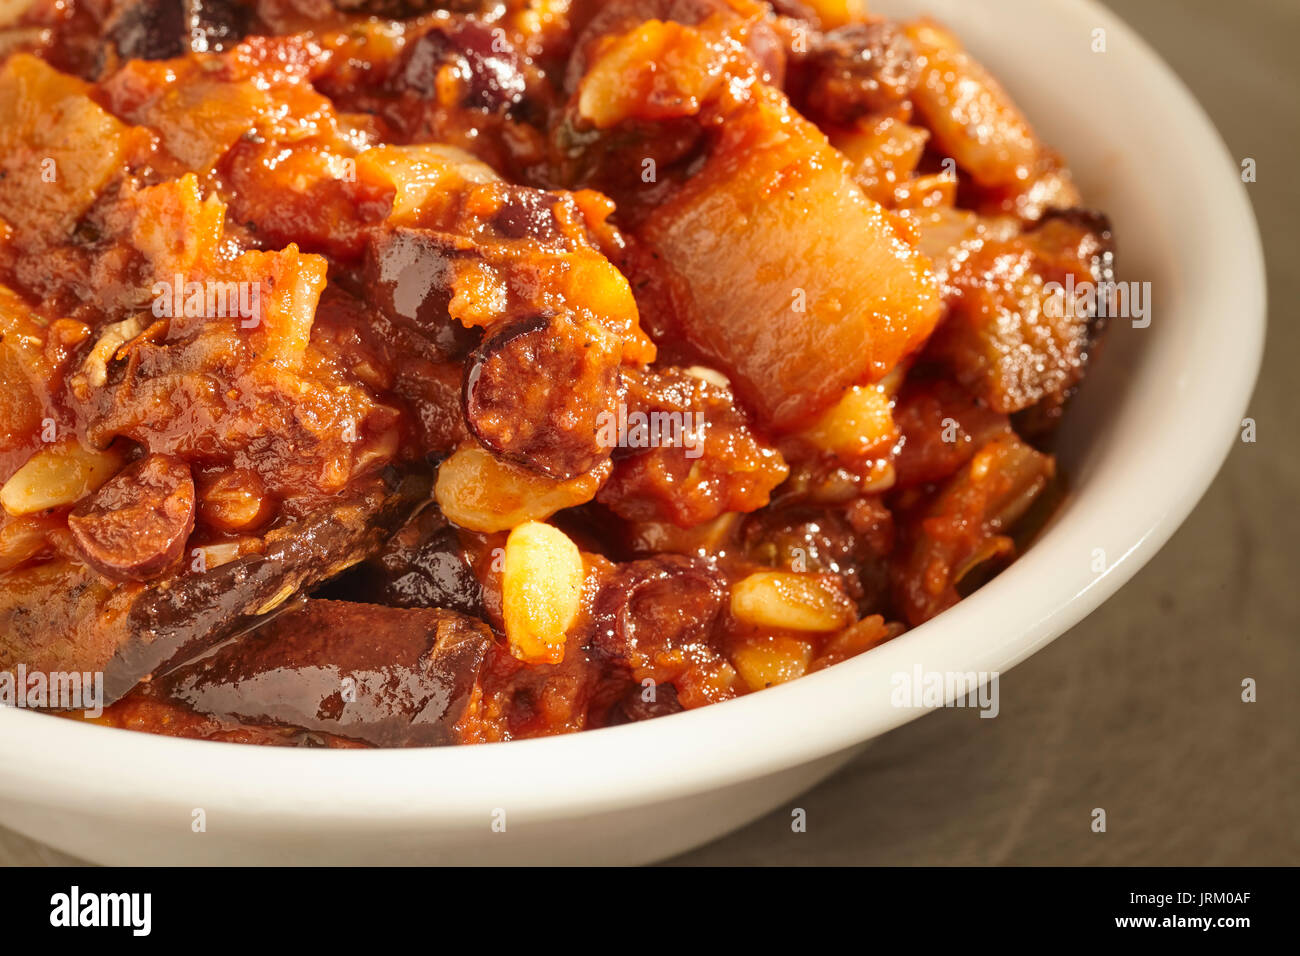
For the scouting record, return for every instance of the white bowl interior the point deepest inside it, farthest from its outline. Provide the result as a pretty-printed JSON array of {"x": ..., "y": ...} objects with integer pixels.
[{"x": 1141, "y": 444}]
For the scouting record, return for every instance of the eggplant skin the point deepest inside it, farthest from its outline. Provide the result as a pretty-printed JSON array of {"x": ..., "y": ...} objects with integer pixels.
[
  {"x": 66, "y": 617},
  {"x": 388, "y": 677}
]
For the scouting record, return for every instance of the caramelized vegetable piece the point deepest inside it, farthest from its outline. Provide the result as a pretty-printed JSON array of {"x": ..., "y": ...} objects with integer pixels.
[
  {"x": 884, "y": 154},
  {"x": 972, "y": 117},
  {"x": 161, "y": 29},
  {"x": 1012, "y": 336},
  {"x": 23, "y": 538},
  {"x": 855, "y": 639},
  {"x": 88, "y": 623},
  {"x": 386, "y": 676},
  {"x": 831, "y": 13},
  {"x": 48, "y": 174},
  {"x": 135, "y": 526},
  {"x": 966, "y": 525},
  {"x": 758, "y": 242},
  {"x": 543, "y": 392}
]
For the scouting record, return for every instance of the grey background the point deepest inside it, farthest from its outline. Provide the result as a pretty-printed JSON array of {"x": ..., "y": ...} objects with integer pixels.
[{"x": 1138, "y": 709}]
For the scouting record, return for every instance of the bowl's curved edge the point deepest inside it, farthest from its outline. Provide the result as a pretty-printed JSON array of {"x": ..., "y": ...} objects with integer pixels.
[{"x": 74, "y": 765}]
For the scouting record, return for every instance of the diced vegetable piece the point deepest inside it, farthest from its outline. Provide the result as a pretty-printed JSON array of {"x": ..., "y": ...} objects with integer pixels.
[
  {"x": 797, "y": 602},
  {"x": 854, "y": 639},
  {"x": 24, "y": 370},
  {"x": 20, "y": 410},
  {"x": 964, "y": 525},
  {"x": 933, "y": 191},
  {"x": 289, "y": 285},
  {"x": 176, "y": 228},
  {"x": 1012, "y": 337},
  {"x": 22, "y": 538},
  {"x": 199, "y": 118},
  {"x": 883, "y": 154},
  {"x": 837, "y": 13},
  {"x": 420, "y": 174},
  {"x": 656, "y": 71},
  {"x": 973, "y": 118},
  {"x": 796, "y": 284},
  {"x": 58, "y": 148},
  {"x": 541, "y": 588}
]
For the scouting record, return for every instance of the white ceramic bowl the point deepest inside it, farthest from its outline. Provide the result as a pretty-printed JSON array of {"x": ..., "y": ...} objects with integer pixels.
[{"x": 1143, "y": 442}]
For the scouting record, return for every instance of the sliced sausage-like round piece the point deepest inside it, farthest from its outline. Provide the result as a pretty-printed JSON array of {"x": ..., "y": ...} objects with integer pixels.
[
  {"x": 136, "y": 525},
  {"x": 543, "y": 391}
]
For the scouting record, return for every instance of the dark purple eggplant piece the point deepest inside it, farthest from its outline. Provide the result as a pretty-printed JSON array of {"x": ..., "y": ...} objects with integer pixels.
[
  {"x": 63, "y": 616},
  {"x": 543, "y": 391},
  {"x": 486, "y": 62},
  {"x": 162, "y": 29},
  {"x": 401, "y": 9},
  {"x": 423, "y": 565},
  {"x": 408, "y": 276},
  {"x": 391, "y": 677}
]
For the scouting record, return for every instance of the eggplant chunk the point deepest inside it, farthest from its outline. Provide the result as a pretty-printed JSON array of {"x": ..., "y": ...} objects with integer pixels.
[
  {"x": 409, "y": 275},
  {"x": 1012, "y": 337},
  {"x": 484, "y": 66},
  {"x": 402, "y": 9},
  {"x": 64, "y": 616},
  {"x": 543, "y": 391},
  {"x": 422, "y": 565},
  {"x": 391, "y": 677},
  {"x": 163, "y": 29}
]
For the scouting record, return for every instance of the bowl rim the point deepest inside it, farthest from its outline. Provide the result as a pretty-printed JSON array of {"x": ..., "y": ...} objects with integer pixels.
[{"x": 70, "y": 764}]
